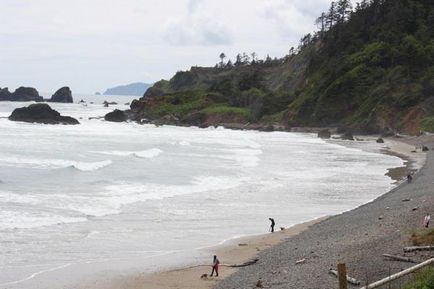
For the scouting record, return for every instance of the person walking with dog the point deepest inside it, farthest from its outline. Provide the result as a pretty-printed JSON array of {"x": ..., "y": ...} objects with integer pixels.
[
  {"x": 215, "y": 266},
  {"x": 272, "y": 225}
]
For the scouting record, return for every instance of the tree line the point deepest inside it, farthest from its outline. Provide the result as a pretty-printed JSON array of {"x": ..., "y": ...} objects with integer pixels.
[{"x": 339, "y": 12}]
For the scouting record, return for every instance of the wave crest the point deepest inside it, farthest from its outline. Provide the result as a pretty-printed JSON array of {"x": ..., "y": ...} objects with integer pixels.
[
  {"x": 40, "y": 163},
  {"x": 147, "y": 154},
  {"x": 87, "y": 167}
]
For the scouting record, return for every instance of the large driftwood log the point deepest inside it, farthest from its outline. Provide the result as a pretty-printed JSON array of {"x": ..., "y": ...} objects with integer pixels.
[
  {"x": 245, "y": 264},
  {"x": 398, "y": 275},
  {"x": 350, "y": 280},
  {"x": 399, "y": 258},
  {"x": 418, "y": 248}
]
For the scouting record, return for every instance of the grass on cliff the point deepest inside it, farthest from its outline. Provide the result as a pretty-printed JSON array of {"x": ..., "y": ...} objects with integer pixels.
[
  {"x": 422, "y": 280},
  {"x": 423, "y": 239},
  {"x": 427, "y": 124},
  {"x": 180, "y": 104},
  {"x": 228, "y": 110}
]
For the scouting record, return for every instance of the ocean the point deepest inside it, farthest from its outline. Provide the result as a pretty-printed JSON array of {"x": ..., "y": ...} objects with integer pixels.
[{"x": 100, "y": 198}]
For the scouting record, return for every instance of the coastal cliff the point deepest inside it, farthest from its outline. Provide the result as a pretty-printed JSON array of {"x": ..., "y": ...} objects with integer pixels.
[{"x": 368, "y": 68}]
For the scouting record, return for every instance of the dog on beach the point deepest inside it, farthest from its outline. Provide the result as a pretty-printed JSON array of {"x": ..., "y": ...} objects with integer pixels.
[{"x": 204, "y": 276}]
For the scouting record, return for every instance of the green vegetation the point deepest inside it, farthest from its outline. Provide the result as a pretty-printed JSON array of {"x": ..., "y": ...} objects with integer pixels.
[
  {"x": 427, "y": 124},
  {"x": 422, "y": 280},
  {"x": 368, "y": 67},
  {"x": 228, "y": 110},
  {"x": 178, "y": 104},
  {"x": 423, "y": 238}
]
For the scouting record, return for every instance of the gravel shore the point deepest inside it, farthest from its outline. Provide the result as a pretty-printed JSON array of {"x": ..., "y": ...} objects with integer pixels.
[{"x": 357, "y": 238}]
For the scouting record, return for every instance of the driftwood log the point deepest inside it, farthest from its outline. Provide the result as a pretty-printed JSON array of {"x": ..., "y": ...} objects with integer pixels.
[
  {"x": 418, "y": 248},
  {"x": 399, "y": 258},
  {"x": 398, "y": 275},
  {"x": 245, "y": 264},
  {"x": 300, "y": 261},
  {"x": 350, "y": 280}
]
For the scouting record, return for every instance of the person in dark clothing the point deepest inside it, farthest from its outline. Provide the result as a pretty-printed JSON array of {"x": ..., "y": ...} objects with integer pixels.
[
  {"x": 409, "y": 178},
  {"x": 215, "y": 266},
  {"x": 272, "y": 224}
]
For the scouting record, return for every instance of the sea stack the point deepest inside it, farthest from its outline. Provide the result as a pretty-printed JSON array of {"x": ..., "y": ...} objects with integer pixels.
[
  {"x": 63, "y": 95},
  {"x": 40, "y": 113},
  {"x": 5, "y": 94},
  {"x": 20, "y": 94},
  {"x": 116, "y": 116}
]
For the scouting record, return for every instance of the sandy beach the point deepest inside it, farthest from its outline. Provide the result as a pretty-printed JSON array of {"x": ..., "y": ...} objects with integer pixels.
[
  {"x": 279, "y": 252},
  {"x": 235, "y": 251}
]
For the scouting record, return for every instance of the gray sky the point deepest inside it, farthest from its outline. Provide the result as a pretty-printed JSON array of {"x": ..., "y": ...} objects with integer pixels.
[{"x": 91, "y": 45}]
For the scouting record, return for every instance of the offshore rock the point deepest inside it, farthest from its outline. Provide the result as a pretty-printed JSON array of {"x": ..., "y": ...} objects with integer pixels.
[
  {"x": 41, "y": 113},
  {"x": 63, "y": 95}
]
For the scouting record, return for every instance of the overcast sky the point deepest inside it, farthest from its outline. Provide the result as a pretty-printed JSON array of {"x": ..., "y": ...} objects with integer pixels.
[{"x": 91, "y": 45}]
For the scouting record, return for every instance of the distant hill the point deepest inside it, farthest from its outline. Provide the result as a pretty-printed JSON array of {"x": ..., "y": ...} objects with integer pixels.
[{"x": 138, "y": 88}]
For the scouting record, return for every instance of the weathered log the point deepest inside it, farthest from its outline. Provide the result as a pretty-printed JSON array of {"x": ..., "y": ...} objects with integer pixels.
[
  {"x": 301, "y": 261},
  {"x": 245, "y": 264},
  {"x": 418, "y": 248},
  {"x": 398, "y": 275},
  {"x": 399, "y": 258},
  {"x": 350, "y": 280}
]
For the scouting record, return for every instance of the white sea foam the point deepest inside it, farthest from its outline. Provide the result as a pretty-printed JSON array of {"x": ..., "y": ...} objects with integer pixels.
[
  {"x": 40, "y": 163},
  {"x": 14, "y": 219},
  {"x": 69, "y": 208},
  {"x": 239, "y": 157},
  {"x": 124, "y": 193},
  {"x": 86, "y": 167},
  {"x": 33, "y": 275},
  {"x": 149, "y": 154}
]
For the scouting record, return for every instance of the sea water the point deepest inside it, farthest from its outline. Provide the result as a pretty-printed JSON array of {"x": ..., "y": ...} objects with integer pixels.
[{"x": 100, "y": 199}]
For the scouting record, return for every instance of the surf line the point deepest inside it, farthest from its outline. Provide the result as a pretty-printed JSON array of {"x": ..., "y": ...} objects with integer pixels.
[{"x": 36, "y": 274}]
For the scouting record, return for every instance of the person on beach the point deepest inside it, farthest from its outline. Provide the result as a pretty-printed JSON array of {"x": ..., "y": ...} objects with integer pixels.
[
  {"x": 215, "y": 266},
  {"x": 426, "y": 220},
  {"x": 409, "y": 178},
  {"x": 272, "y": 225}
]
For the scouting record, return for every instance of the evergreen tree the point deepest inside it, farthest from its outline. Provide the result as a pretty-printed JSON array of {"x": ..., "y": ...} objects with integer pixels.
[
  {"x": 238, "y": 60},
  {"x": 343, "y": 10},
  {"x": 222, "y": 59}
]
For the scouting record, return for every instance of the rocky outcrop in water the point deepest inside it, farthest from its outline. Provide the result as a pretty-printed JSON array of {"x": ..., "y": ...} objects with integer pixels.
[
  {"x": 5, "y": 94},
  {"x": 40, "y": 113},
  {"x": 20, "y": 94},
  {"x": 26, "y": 94},
  {"x": 325, "y": 134},
  {"x": 347, "y": 136},
  {"x": 116, "y": 116},
  {"x": 63, "y": 95}
]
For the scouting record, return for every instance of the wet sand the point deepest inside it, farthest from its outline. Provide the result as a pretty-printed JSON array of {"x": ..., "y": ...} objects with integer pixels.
[{"x": 236, "y": 251}]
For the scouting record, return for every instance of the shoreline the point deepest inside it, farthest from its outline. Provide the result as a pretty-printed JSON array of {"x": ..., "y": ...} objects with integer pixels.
[
  {"x": 235, "y": 251},
  {"x": 383, "y": 225},
  {"x": 240, "y": 250},
  {"x": 413, "y": 162}
]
